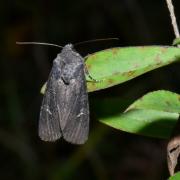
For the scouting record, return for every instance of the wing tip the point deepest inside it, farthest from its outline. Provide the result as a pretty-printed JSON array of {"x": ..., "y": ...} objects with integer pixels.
[
  {"x": 75, "y": 140},
  {"x": 49, "y": 137}
]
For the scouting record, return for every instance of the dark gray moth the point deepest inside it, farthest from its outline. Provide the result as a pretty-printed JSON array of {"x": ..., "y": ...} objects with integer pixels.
[{"x": 65, "y": 108}]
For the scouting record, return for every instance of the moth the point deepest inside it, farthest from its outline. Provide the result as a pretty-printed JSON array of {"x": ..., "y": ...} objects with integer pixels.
[{"x": 65, "y": 109}]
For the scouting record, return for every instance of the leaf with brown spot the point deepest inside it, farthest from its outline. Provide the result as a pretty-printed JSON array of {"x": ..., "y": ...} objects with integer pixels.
[{"x": 125, "y": 63}]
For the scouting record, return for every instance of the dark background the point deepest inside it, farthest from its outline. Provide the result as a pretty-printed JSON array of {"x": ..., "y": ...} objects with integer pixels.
[{"x": 109, "y": 153}]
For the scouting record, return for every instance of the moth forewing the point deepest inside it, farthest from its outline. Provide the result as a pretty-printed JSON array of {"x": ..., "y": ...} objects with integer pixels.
[{"x": 65, "y": 107}]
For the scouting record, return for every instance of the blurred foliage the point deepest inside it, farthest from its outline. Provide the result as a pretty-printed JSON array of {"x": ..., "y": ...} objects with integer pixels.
[
  {"x": 175, "y": 177},
  {"x": 109, "y": 153}
]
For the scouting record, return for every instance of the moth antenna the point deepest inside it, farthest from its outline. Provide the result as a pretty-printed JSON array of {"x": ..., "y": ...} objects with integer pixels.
[
  {"x": 94, "y": 40},
  {"x": 38, "y": 43}
]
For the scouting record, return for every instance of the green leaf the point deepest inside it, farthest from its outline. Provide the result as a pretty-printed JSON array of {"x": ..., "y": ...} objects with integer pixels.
[
  {"x": 43, "y": 88},
  {"x": 117, "y": 65},
  {"x": 161, "y": 100},
  {"x": 155, "y": 115},
  {"x": 176, "y": 41},
  {"x": 175, "y": 177}
]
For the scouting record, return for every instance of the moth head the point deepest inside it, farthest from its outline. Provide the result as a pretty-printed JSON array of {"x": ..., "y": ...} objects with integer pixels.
[
  {"x": 70, "y": 55},
  {"x": 68, "y": 47}
]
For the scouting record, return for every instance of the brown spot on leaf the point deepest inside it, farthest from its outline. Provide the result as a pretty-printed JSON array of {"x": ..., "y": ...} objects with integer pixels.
[
  {"x": 128, "y": 74},
  {"x": 115, "y": 51},
  {"x": 91, "y": 86},
  {"x": 88, "y": 66},
  {"x": 110, "y": 81},
  {"x": 163, "y": 50},
  {"x": 168, "y": 103},
  {"x": 92, "y": 57},
  {"x": 158, "y": 60}
]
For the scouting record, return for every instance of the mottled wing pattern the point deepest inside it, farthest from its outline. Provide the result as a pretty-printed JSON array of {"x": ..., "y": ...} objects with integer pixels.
[
  {"x": 49, "y": 127},
  {"x": 65, "y": 108},
  {"x": 74, "y": 109}
]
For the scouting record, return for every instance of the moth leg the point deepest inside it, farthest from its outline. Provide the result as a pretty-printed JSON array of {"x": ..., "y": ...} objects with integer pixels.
[{"x": 90, "y": 77}]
